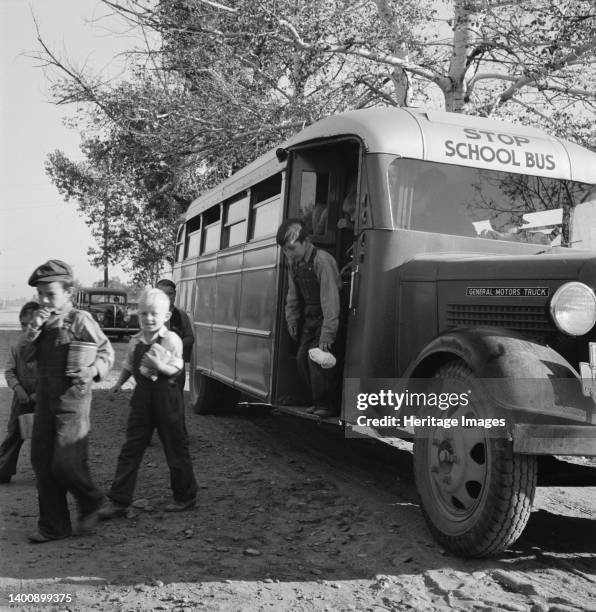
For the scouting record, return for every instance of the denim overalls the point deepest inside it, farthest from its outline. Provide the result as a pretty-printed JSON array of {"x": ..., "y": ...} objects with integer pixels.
[
  {"x": 59, "y": 442},
  {"x": 322, "y": 382},
  {"x": 154, "y": 404}
]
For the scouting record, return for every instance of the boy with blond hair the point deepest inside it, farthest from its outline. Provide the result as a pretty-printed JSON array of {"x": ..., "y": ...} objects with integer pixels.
[{"x": 154, "y": 358}]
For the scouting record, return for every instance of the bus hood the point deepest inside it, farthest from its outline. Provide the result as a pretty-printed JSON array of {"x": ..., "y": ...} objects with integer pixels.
[{"x": 483, "y": 268}]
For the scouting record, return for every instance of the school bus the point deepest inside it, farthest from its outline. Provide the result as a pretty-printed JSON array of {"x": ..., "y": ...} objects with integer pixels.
[{"x": 469, "y": 273}]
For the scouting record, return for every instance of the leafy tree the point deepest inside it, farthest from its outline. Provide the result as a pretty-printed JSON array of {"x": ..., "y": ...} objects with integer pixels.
[
  {"x": 220, "y": 82},
  {"x": 116, "y": 213},
  {"x": 116, "y": 282},
  {"x": 283, "y": 60}
]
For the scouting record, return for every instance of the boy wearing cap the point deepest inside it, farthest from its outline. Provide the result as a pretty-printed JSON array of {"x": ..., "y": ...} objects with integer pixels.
[
  {"x": 20, "y": 377},
  {"x": 156, "y": 403},
  {"x": 312, "y": 302},
  {"x": 59, "y": 442}
]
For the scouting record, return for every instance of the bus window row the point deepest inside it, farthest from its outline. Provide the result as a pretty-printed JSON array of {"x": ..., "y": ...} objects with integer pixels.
[{"x": 249, "y": 215}]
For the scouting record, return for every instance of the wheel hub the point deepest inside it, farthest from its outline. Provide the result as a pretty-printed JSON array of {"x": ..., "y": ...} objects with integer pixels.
[{"x": 453, "y": 468}]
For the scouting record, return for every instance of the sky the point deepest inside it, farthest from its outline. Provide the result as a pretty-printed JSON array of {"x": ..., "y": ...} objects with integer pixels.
[{"x": 35, "y": 223}]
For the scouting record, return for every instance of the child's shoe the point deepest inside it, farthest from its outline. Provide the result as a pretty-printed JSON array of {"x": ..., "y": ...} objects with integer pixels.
[
  {"x": 41, "y": 538},
  {"x": 178, "y": 506},
  {"x": 87, "y": 522},
  {"x": 111, "y": 510}
]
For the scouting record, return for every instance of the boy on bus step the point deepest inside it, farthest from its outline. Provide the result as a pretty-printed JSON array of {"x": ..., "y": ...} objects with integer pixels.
[{"x": 312, "y": 304}]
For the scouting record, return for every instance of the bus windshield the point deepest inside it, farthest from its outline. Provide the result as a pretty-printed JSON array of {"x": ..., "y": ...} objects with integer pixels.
[{"x": 460, "y": 201}]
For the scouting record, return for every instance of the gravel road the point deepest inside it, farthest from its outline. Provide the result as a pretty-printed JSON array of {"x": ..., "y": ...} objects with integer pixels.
[{"x": 291, "y": 516}]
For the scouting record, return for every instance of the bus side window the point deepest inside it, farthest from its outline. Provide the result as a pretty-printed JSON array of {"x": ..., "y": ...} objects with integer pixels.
[
  {"x": 192, "y": 241},
  {"x": 264, "y": 213},
  {"x": 180, "y": 243},
  {"x": 236, "y": 221},
  {"x": 211, "y": 229}
]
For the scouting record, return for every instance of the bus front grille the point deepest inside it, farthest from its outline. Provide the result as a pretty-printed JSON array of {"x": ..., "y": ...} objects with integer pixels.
[{"x": 532, "y": 320}]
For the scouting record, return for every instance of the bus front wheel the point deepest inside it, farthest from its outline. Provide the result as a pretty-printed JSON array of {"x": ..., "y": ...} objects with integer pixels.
[{"x": 476, "y": 493}]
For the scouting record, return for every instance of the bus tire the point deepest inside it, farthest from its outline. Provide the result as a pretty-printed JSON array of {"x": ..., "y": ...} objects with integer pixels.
[
  {"x": 209, "y": 396},
  {"x": 476, "y": 493}
]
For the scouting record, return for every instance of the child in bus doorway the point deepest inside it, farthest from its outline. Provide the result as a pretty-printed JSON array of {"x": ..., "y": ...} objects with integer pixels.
[
  {"x": 20, "y": 377},
  {"x": 156, "y": 403},
  {"x": 312, "y": 303}
]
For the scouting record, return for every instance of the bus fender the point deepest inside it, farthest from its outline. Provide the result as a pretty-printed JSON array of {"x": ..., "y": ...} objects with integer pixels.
[{"x": 516, "y": 375}]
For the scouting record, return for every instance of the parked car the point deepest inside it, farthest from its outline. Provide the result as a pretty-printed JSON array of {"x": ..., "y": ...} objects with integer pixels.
[
  {"x": 133, "y": 316},
  {"x": 110, "y": 308}
]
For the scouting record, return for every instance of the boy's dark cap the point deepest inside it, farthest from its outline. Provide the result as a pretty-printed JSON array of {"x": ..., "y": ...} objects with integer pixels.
[{"x": 50, "y": 271}]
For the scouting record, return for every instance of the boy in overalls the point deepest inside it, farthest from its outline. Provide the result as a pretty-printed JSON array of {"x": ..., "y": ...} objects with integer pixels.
[
  {"x": 59, "y": 442},
  {"x": 156, "y": 403},
  {"x": 313, "y": 302}
]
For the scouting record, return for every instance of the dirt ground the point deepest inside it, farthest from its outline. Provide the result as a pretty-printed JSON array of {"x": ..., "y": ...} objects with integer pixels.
[{"x": 291, "y": 516}]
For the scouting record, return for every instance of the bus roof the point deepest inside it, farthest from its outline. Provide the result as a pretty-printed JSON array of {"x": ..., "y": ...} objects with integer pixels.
[{"x": 429, "y": 135}]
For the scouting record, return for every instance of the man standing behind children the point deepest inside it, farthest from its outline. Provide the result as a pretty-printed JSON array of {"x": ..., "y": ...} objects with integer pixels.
[
  {"x": 20, "y": 377},
  {"x": 59, "y": 442},
  {"x": 178, "y": 322},
  {"x": 155, "y": 360}
]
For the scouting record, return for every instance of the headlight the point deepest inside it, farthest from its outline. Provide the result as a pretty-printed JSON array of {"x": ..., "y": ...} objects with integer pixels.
[
  {"x": 573, "y": 308},
  {"x": 99, "y": 316}
]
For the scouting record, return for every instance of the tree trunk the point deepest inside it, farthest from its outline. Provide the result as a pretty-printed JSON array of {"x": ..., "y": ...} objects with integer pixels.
[
  {"x": 454, "y": 100},
  {"x": 399, "y": 77},
  {"x": 455, "y": 95}
]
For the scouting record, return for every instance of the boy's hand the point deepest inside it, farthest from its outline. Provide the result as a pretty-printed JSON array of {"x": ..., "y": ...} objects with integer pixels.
[
  {"x": 33, "y": 397},
  {"x": 83, "y": 376},
  {"x": 21, "y": 394},
  {"x": 325, "y": 346},
  {"x": 113, "y": 392},
  {"x": 150, "y": 361},
  {"x": 40, "y": 317}
]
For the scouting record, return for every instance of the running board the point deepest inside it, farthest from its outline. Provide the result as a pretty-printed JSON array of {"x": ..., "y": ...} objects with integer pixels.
[{"x": 300, "y": 411}]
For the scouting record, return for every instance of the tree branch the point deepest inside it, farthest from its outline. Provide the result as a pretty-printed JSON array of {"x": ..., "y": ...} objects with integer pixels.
[
  {"x": 526, "y": 80},
  {"x": 380, "y": 57}
]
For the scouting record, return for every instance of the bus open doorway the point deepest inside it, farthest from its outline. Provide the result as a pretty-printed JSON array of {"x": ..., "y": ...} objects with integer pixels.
[{"x": 322, "y": 192}]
